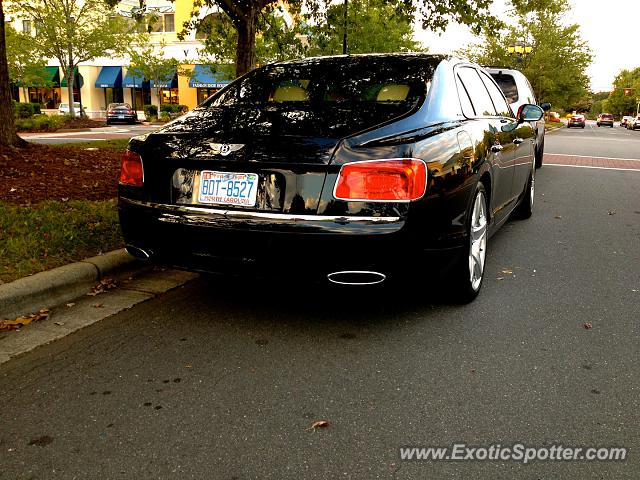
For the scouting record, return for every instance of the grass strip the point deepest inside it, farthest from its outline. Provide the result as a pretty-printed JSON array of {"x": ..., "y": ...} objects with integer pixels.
[{"x": 53, "y": 233}]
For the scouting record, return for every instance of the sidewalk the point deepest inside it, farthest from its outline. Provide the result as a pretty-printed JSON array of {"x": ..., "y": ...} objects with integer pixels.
[{"x": 56, "y": 289}]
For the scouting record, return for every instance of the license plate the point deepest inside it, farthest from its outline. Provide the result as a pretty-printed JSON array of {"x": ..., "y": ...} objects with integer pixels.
[
  {"x": 120, "y": 116},
  {"x": 228, "y": 188}
]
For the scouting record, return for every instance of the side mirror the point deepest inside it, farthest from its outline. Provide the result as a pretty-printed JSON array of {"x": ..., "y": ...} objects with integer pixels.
[
  {"x": 545, "y": 106},
  {"x": 529, "y": 113}
]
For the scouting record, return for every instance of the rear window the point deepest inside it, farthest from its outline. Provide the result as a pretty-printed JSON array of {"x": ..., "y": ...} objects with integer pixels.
[
  {"x": 607, "y": 116},
  {"x": 381, "y": 80},
  {"x": 508, "y": 86}
]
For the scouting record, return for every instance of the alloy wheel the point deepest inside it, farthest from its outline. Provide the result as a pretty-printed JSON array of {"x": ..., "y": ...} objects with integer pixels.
[{"x": 478, "y": 241}]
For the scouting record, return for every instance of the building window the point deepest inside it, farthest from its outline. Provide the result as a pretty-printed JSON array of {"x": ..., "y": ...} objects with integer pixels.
[
  {"x": 169, "y": 95},
  {"x": 204, "y": 93},
  {"x": 169, "y": 23},
  {"x": 26, "y": 26}
]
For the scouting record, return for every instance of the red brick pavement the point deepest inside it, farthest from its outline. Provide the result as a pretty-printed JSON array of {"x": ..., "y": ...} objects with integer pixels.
[{"x": 593, "y": 162}]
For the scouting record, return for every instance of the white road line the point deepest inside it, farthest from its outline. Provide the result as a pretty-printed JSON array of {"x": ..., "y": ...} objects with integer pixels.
[
  {"x": 591, "y": 156},
  {"x": 596, "y": 168}
]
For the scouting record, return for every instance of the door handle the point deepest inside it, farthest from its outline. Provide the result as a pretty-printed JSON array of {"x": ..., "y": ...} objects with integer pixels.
[
  {"x": 496, "y": 148},
  {"x": 518, "y": 141}
]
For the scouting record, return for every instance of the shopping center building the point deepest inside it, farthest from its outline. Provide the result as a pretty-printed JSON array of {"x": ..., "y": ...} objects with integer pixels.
[{"x": 106, "y": 80}]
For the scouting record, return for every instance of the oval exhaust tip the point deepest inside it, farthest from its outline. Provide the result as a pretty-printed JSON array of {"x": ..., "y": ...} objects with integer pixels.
[
  {"x": 356, "y": 277},
  {"x": 139, "y": 253}
]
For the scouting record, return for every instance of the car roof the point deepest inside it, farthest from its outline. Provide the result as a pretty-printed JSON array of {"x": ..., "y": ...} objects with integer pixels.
[{"x": 338, "y": 58}]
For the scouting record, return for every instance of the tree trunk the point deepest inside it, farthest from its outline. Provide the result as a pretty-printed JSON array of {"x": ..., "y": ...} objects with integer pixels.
[
  {"x": 246, "y": 48},
  {"x": 8, "y": 136}
]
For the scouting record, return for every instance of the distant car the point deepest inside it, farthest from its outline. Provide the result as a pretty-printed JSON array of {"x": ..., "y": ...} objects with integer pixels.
[
  {"x": 518, "y": 91},
  {"x": 577, "y": 120},
  {"x": 63, "y": 109},
  {"x": 121, "y": 112},
  {"x": 605, "y": 119},
  {"x": 625, "y": 119},
  {"x": 633, "y": 123}
]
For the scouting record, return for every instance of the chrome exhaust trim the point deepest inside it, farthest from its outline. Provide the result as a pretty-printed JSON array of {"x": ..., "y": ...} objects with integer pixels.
[{"x": 356, "y": 277}]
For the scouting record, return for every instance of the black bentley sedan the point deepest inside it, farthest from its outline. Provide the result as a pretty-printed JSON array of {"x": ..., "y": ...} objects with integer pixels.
[{"x": 349, "y": 169}]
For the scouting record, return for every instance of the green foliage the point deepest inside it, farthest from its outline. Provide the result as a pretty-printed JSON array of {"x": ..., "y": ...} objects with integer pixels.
[
  {"x": 74, "y": 31},
  {"x": 172, "y": 108},
  {"x": 53, "y": 233},
  {"x": 558, "y": 63},
  {"x": 372, "y": 26},
  {"x": 165, "y": 117},
  {"x": 239, "y": 20},
  {"x": 150, "y": 111},
  {"x": 618, "y": 102},
  {"x": 41, "y": 123},
  {"x": 25, "y": 110},
  {"x": 148, "y": 60},
  {"x": 25, "y": 61}
]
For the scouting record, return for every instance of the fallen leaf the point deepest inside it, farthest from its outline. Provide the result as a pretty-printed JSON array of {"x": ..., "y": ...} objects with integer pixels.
[
  {"x": 23, "y": 320},
  {"x": 506, "y": 271},
  {"x": 319, "y": 424},
  {"x": 98, "y": 305},
  {"x": 105, "y": 285},
  {"x": 58, "y": 323},
  {"x": 11, "y": 190},
  {"x": 558, "y": 216},
  {"x": 587, "y": 325},
  {"x": 69, "y": 305},
  {"x": 611, "y": 212}
]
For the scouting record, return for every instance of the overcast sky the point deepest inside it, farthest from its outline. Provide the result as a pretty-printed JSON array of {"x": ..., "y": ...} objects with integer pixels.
[{"x": 606, "y": 26}]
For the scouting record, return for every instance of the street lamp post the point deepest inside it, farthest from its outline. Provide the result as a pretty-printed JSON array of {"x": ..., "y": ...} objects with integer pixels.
[{"x": 519, "y": 50}]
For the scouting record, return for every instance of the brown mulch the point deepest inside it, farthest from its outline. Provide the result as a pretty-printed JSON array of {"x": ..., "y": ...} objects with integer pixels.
[
  {"x": 41, "y": 172},
  {"x": 77, "y": 122}
]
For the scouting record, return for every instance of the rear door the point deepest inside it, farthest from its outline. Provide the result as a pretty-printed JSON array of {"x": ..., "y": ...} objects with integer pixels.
[
  {"x": 523, "y": 137},
  {"x": 477, "y": 104}
]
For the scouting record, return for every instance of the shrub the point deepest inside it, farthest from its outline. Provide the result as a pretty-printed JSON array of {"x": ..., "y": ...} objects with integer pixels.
[
  {"x": 165, "y": 117},
  {"x": 173, "y": 108},
  {"x": 26, "y": 110},
  {"x": 40, "y": 123},
  {"x": 150, "y": 111}
]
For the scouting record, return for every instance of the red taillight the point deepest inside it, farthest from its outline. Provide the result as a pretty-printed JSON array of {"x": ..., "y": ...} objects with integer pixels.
[
  {"x": 393, "y": 180},
  {"x": 131, "y": 171},
  {"x": 110, "y": 112}
]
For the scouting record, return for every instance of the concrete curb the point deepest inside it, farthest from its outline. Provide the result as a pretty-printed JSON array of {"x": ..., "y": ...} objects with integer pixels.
[{"x": 45, "y": 289}]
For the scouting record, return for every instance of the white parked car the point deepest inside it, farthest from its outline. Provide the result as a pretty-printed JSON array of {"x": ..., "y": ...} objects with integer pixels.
[{"x": 63, "y": 109}]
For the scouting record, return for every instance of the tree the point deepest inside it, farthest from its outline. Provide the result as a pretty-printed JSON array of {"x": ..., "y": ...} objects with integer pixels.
[
  {"x": 74, "y": 31},
  {"x": 148, "y": 61},
  {"x": 8, "y": 136},
  {"x": 557, "y": 64},
  {"x": 626, "y": 92},
  {"x": 276, "y": 40},
  {"x": 26, "y": 64},
  {"x": 434, "y": 14},
  {"x": 372, "y": 26}
]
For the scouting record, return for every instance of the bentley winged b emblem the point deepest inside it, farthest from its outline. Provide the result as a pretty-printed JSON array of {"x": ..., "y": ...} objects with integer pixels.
[{"x": 225, "y": 149}]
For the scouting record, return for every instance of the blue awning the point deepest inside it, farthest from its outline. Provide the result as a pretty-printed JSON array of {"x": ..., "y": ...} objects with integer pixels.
[
  {"x": 133, "y": 79},
  {"x": 203, "y": 77},
  {"x": 170, "y": 81},
  {"x": 109, "y": 77}
]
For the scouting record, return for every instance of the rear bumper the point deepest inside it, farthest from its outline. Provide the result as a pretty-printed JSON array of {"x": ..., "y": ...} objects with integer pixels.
[{"x": 267, "y": 245}]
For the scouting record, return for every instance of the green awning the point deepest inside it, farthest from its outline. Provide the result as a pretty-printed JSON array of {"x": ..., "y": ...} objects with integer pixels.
[
  {"x": 50, "y": 77},
  {"x": 78, "y": 82}
]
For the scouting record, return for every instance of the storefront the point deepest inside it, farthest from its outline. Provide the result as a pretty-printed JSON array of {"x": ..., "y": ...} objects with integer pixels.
[
  {"x": 78, "y": 83},
  {"x": 110, "y": 81},
  {"x": 47, "y": 91},
  {"x": 140, "y": 93},
  {"x": 168, "y": 89},
  {"x": 206, "y": 82}
]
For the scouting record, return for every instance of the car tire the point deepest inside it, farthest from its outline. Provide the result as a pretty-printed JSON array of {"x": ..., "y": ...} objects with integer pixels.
[
  {"x": 539, "y": 154},
  {"x": 524, "y": 209},
  {"x": 467, "y": 273},
  {"x": 582, "y": 126}
]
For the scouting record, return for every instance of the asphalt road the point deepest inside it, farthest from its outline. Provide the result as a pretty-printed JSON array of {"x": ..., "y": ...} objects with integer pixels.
[{"x": 225, "y": 381}]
